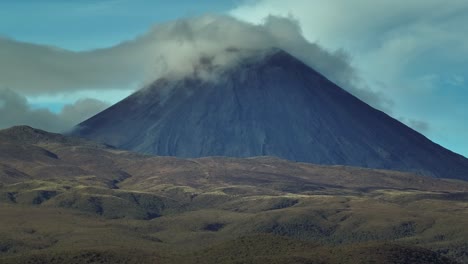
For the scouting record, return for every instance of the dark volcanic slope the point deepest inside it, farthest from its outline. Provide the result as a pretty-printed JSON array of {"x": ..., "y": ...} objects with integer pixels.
[{"x": 275, "y": 106}]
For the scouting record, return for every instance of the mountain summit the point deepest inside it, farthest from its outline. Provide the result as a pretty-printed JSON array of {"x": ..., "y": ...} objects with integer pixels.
[{"x": 268, "y": 105}]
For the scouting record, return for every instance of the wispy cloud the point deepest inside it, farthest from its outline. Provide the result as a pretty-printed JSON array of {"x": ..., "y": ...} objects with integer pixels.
[{"x": 170, "y": 48}]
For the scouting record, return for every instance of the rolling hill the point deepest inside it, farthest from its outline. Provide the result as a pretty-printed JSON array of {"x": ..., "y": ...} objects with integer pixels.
[{"x": 68, "y": 200}]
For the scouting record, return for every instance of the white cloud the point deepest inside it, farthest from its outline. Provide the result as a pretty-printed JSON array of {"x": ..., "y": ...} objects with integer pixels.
[
  {"x": 391, "y": 41},
  {"x": 15, "y": 110},
  {"x": 173, "y": 48},
  {"x": 413, "y": 51}
]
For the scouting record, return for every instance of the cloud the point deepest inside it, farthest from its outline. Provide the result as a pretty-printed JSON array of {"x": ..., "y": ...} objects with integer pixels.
[
  {"x": 418, "y": 125},
  {"x": 15, "y": 110},
  {"x": 392, "y": 41},
  {"x": 36, "y": 69},
  {"x": 173, "y": 49},
  {"x": 412, "y": 51},
  {"x": 80, "y": 111}
]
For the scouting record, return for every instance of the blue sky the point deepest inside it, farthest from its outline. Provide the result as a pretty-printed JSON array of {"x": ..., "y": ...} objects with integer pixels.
[
  {"x": 89, "y": 24},
  {"x": 412, "y": 52}
]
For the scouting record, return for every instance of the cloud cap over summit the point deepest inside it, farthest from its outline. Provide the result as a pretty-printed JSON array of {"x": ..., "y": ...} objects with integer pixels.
[
  {"x": 169, "y": 48},
  {"x": 271, "y": 104}
]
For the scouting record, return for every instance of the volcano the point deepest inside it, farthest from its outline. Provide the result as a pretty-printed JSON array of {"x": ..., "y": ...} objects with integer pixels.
[{"x": 267, "y": 105}]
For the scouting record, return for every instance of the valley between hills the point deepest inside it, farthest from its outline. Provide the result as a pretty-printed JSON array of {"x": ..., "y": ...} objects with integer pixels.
[{"x": 67, "y": 200}]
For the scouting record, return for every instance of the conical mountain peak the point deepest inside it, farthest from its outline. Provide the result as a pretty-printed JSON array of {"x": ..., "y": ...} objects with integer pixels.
[{"x": 268, "y": 104}]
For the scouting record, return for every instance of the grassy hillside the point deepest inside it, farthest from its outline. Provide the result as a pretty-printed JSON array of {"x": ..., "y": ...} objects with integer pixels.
[{"x": 64, "y": 200}]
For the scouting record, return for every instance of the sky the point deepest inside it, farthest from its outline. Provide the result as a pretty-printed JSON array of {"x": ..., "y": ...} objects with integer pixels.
[{"x": 63, "y": 61}]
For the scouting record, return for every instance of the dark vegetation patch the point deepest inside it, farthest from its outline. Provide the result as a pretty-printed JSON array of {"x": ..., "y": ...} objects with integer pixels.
[
  {"x": 405, "y": 229},
  {"x": 284, "y": 203},
  {"x": 43, "y": 196},
  {"x": 259, "y": 204},
  {"x": 299, "y": 187},
  {"x": 5, "y": 247},
  {"x": 11, "y": 196},
  {"x": 120, "y": 177},
  {"x": 114, "y": 204},
  {"x": 86, "y": 257},
  {"x": 459, "y": 196},
  {"x": 34, "y": 197},
  {"x": 51, "y": 154},
  {"x": 304, "y": 229},
  {"x": 388, "y": 253},
  {"x": 214, "y": 227},
  {"x": 23, "y": 243},
  {"x": 459, "y": 251},
  {"x": 152, "y": 205}
]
